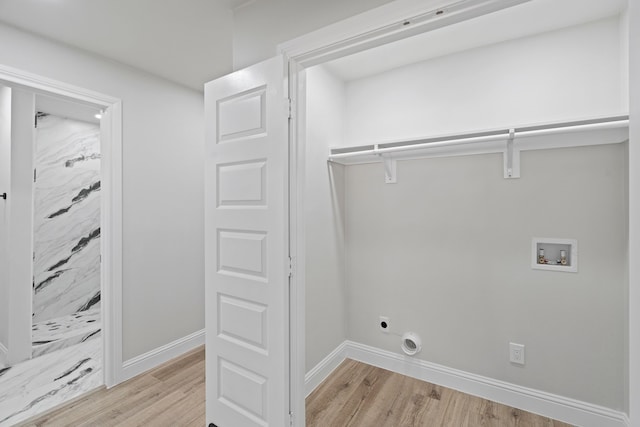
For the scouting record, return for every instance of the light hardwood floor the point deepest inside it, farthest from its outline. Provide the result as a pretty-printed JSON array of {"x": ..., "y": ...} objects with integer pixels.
[
  {"x": 354, "y": 395},
  {"x": 170, "y": 395}
]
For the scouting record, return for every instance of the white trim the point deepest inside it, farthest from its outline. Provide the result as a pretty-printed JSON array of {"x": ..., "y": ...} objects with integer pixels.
[
  {"x": 633, "y": 191},
  {"x": 111, "y": 214},
  {"x": 40, "y": 84},
  {"x": 4, "y": 353},
  {"x": 550, "y": 405},
  {"x": 160, "y": 355},
  {"x": 322, "y": 370},
  {"x": 297, "y": 320},
  {"x": 546, "y": 404},
  {"x": 111, "y": 243},
  {"x": 393, "y": 21}
]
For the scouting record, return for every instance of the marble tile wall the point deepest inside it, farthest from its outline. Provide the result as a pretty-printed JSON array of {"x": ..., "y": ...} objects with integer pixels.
[{"x": 66, "y": 218}]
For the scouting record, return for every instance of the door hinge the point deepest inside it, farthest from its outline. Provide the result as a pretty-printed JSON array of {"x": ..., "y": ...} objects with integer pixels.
[
  {"x": 290, "y": 108},
  {"x": 291, "y": 266}
]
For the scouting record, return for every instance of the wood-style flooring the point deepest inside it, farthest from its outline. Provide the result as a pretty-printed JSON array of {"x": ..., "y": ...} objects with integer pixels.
[
  {"x": 171, "y": 395},
  {"x": 355, "y": 394}
]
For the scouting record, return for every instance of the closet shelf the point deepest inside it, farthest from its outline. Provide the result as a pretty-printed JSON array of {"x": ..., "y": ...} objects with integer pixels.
[{"x": 595, "y": 131}]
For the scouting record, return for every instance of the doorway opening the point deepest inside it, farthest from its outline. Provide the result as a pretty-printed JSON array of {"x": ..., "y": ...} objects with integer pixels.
[
  {"x": 66, "y": 227},
  {"x": 362, "y": 256},
  {"x": 396, "y": 219},
  {"x": 61, "y": 229}
]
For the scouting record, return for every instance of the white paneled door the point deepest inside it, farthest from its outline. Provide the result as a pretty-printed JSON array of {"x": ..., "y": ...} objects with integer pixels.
[{"x": 246, "y": 248}]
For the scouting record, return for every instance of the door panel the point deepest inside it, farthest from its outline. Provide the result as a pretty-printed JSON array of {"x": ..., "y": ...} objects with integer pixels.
[
  {"x": 242, "y": 184},
  {"x": 246, "y": 248}
]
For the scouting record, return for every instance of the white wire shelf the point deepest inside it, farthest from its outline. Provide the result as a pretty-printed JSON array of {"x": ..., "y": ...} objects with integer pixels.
[{"x": 510, "y": 141}]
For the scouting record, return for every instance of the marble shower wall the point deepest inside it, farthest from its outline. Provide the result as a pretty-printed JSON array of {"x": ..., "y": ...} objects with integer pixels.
[{"x": 66, "y": 217}]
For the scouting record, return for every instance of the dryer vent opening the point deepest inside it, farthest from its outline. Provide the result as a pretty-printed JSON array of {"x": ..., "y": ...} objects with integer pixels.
[{"x": 411, "y": 343}]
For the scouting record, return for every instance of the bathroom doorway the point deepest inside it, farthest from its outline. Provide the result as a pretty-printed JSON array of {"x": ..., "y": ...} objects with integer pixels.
[
  {"x": 66, "y": 226},
  {"x": 60, "y": 232}
]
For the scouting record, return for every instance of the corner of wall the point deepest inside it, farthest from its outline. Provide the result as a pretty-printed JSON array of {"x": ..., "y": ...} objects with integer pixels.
[
  {"x": 626, "y": 308},
  {"x": 160, "y": 355},
  {"x": 624, "y": 58},
  {"x": 4, "y": 354},
  {"x": 324, "y": 208}
]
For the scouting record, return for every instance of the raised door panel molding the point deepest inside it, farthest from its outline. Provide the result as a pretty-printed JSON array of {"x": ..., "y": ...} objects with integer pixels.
[
  {"x": 243, "y": 254},
  {"x": 242, "y": 115},
  {"x": 243, "y": 323},
  {"x": 242, "y": 184},
  {"x": 243, "y": 391}
]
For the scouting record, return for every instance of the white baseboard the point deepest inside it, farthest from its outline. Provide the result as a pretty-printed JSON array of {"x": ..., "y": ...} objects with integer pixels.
[
  {"x": 4, "y": 354},
  {"x": 160, "y": 355},
  {"x": 322, "y": 370},
  {"x": 546, "y": 404}
]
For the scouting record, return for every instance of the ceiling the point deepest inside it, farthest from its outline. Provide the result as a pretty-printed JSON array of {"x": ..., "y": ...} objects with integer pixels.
[
  {"x": 526, "y": 19},
  {"x": 190, "y": 41},
  {"x": 187, "y": 41}
]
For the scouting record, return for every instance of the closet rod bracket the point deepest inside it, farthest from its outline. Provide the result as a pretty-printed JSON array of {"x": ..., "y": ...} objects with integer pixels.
[
  {"x": 390, "y": 168},
  {"x": 511, "y": 157}
]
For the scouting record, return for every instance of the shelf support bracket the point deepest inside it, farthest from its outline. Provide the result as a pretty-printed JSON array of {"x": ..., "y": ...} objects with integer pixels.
[
  {"x": 511, "y": 157},
  {"x": 389, "y": 170}
]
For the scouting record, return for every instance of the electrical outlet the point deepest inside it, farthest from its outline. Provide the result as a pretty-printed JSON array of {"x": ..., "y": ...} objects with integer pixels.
[
  {"x": 516, "y": 353},
  {"x": 384, "y": 324}
]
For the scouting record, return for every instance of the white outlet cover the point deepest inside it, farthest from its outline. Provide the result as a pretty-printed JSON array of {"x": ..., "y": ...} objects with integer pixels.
[{"x": 516, "y": 353}]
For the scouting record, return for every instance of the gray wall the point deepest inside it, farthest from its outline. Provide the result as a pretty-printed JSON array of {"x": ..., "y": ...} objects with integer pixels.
[
  {"x": 566, "y": 74},
  {"x": 163, "y": 170},
  {"x": 446, "y": 253},
  {"x": 324, "y": 204}
]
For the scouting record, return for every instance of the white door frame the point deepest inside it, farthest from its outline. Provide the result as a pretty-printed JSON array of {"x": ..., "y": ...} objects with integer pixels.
[
  {"x": 111, "y": 204},
  {"x": 391, "y": 22}
]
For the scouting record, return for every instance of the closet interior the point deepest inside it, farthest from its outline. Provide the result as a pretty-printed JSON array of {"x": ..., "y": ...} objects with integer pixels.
[{"x": 437, "y": 166}]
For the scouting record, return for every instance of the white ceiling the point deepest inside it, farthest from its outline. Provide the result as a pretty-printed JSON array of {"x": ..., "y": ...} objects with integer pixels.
[
  {"x": 185, "y": 41},
  {"x": 190, "y": 41},
  {"x": 535, "y": 16}
]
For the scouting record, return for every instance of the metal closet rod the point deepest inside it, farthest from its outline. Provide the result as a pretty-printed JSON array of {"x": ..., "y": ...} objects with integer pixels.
[{"x": 468, "y": 138}]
